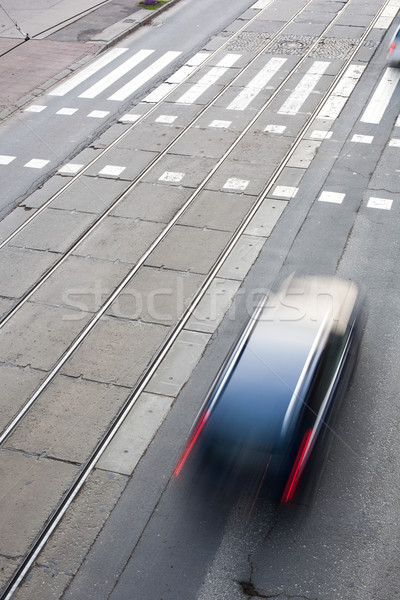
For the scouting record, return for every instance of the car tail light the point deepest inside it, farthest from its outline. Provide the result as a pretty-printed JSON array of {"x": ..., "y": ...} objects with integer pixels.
[
  {"x": 191, "y": 443},
  {"x": 392, "y": 48},
  {"x": 297, "y": 468}
]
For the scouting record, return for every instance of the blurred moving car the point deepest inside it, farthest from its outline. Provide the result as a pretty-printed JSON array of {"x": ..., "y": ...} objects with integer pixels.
[
  {"x": 393, "y": 55},
  {"x": 274, "y": 395}
]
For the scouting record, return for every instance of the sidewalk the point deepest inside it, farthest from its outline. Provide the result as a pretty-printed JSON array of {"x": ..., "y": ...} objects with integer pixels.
[{"x": 61, "y": 39}]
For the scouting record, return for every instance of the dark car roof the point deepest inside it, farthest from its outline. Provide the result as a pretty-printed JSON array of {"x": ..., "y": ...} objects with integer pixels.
[{"x": 263, "y": 385}]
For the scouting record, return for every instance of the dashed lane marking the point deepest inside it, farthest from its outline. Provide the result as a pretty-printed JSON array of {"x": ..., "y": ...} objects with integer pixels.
[
  {"x": 172, "y": 177},
  {"x": 333, "y": 197},
  {"x": 129, "y": 118},
  {"x": 99, "y": 114},
  {"x": 75, "y": 80},
  {"x": 220, "y": 124},
  {"x": 285, "y": 191},
  {"x": 382, "y": 203},
  {"x": 394, "y": 142},
  {"x": 36, "y": 163},
  {"x": 236, "y": 184},
  {"x": 67, "y": 111},
  {"x": 167, "y": 119},
  {"x": 112, "y": 170},
  {"x": 275, "y": 128},
  {"x": 70, "y": 168},
  {"x": 36, "y": 108},
  {"x": 5, "y": 159},
  {"x": 362, "y": 139}
]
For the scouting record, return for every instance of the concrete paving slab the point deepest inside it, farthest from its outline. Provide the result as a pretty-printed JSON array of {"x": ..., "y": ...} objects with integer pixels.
[
  {"x": 209, "y": 142},
  {"x": 7, "y": 568},
  {"x": 20, "y": 268},
  {"x": 255, "y": 175},
  {"x": 5, "y": 306},
  {"x": 135, "y": 434},
  {"x": 304, "y": 154},
  {"x": 212, "y": 308},
  {"x": 242, "y": 257},
  {"x": 236, "y": 119},
  {"x": 260, "y": 149},
  {"x": 24, "y": 478},
  {"x": 111, "y": 134},
  {"x": 44, "y": 192},
  {"x": 131, "y": 161},
  {"x": 151, "y": 137},
  {"x": 52, "y": 231},
  {"x": 10, "y": 223},
  {"x": 152, "y": 202},
  {"x": 189, "y": 249},
  {"x": 194, "y": 169},
  {"x": 123, "y": 350},
  {"x": 81, "y": 284},
  {"x": 184, "y": 113},
  {"x": 17, "y": 385},
  {"x": 217, "y": 210},
  {"x": 179, "y": 363},
  {"x": 156, "y": 296},
  {"x": 90, "y": 194},
  {"x": 118, "y": 239},
  {"x": 44, "y": 583},
  {"x": 57, "y": 327},
  {"x": 68, "y": 419},
  {"x": 266, "y": 218}
]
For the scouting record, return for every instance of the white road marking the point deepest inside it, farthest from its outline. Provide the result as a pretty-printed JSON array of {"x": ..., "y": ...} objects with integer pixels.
[
  {"x": 75, "y": 80},
  {"x": 99, "y": 114},
  {"x": 387, "y": 16},
  {"x": 166, "y": 119},
  {"x": 129, "y": 118},
  {"x": 395, "y": 142},
  {"x": 36, "y": 163},
  {"x": 236, "y": 184},
  {"x": 261, "y": 4},
  {"x": 70, "y": 168},
  {"x": 119, "y": 72},
  {"x": 341, "y": 93},
  {"x": 275, "y": 128},
  {"x": 143, "y": 77},
  {"x": 220, "y": 124},
  {"x": 35, "y": 108},
  {"x": 381, "y": 97},
  {"x": 209, "y": 79},
  {"x": 333, "y": 197},
  {"x": 397, "y": 124},
  {"x": 303, "y": 89},
  {"x": 5, "y": 159},
  {"x": 362, "y": 139},
  {"x": 285, "y": 191},
  {"x": 382, "y": 203},
  {"x": 172, "y": 177},
  {"x": 160, "y": 92},
  {"x": 112, "y": 170},
  {"x": 67, "y": 111},
  {"x": 258, "y": 83},
  {"x": 317, "y": 134}
]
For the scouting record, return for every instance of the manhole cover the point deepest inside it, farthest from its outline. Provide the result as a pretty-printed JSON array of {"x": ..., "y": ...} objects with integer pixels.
[{"x": 292, "y": 44}]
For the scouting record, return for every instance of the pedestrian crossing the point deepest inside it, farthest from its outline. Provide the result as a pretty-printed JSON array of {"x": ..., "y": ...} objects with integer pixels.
[{"x": 248, "y": 91}]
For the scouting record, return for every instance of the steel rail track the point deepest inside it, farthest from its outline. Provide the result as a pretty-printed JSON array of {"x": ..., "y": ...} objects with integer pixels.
[
  {"x": 75, "y": 487},
  {"x": 33, "y": 289},
  {"x": 97, "y": 315}
]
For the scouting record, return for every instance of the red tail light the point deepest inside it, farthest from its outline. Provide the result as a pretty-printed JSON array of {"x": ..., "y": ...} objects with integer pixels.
[
  {"x": 191, "y": 443},
  {"x": 297, "y": 469},
  {"x": 392, "y": 47}
]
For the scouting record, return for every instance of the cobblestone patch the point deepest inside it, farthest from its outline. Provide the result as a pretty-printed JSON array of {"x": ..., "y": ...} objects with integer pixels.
[{"x": 248, "y": 41}]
